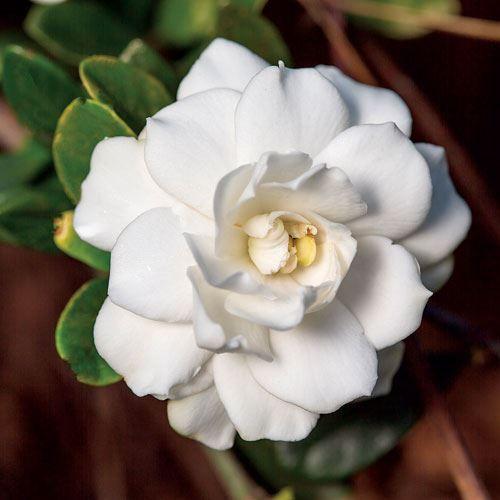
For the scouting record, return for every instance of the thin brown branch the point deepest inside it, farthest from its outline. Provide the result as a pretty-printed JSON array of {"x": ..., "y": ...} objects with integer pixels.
[
  {"x": 421, "y": 18},
  {"x": 11, "y": 133},
  {"x": 464, "y": 475}
]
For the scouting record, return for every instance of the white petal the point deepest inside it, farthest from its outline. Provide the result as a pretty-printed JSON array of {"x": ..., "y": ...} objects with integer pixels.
[
  {"x": 282, "y": 312},
  {"x": 217, "y": 330},
  {"x": 434, "y": 277},
  {"x": 383, "y": 290},
  {"x": 287, "y": 182},
  {"x": 256, "y": 413},
  {"x": 223, "y": 64},
  {"x": 117, "y": 190},
  {"x": 151, "y": 356},
  {"x": 389, "y": 361},
  {"x": 389, "y": 173},
  {"x": 322, "y": 364},
  {"x": 449, "y": 218},
  {"x": 148, "y": 268},
  {"x": 190, "y": 146},
  {"x": 368, "y": 104},
  {"x": 283, "y": 109},
  {"x": 203, "y": 380},
  {"x": 202, "y": 417}
]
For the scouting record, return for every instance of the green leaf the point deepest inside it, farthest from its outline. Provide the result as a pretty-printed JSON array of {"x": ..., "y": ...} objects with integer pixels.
[
  {"x": 27, "y": 213},
  {"x": 83, "y": 124},
  {"x": 254, "y": 32},
  {"x": 404, "y": 30},
  {"x": 12, "y": 38},
  {"x": 134, "y": 94},
  {"x": 341, "y": 444},
  {"x": 24, "y": 164},
  {"x": 139, "y": 54},
  {"x": 74, "y": 30},
  {"x": 37, "y": 89},
  {"x": 183, "y": 23},
  {"x": 75, "y": 335},
  {"x": 136, "y": 13},
  {"x": 70, "y": 243},
  {"x": 255, "y": 5}
]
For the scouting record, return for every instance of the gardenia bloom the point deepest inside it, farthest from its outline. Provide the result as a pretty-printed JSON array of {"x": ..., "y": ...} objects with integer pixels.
[{"x": 254, "y": 269}]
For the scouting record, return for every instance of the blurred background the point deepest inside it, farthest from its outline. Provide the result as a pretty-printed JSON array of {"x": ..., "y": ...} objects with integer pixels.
[{"x": 60, "y": 439}]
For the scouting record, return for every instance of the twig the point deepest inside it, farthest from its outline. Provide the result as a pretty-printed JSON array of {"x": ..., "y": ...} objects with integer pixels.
[
  {"x": 11, "y": 133},
  {"x": 421, "y": 18},
  {"x": 465, "y": 477}
]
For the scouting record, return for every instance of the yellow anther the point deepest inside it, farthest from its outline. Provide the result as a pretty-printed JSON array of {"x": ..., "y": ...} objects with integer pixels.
[{"x": 306, "y": 250}]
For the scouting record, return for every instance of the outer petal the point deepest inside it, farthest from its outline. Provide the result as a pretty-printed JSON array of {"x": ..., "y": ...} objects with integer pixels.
[
  {"x": 389, "y": 173},
  {"x": 202, "y": 417},
  {"x": 368, "y": 104},
  {"x": 217, "y": 330},
  {"x": 449, "y": 218},
  {"x": 190, "y": 146},
  {"x": 256, "y": 413},
  {"x": 283, "y": 109},
  {"x": 384, "y": 291},
  {"x": 434, "y": 277},
  {"x": 117, "y": 190},
  {"x": 389, "y": 361},
  {"x": 150, "y": 355},
  {"x": 148, "y": 268},
  {"x": 322, "y": 364},
  {"x": 223, "y": 64}
]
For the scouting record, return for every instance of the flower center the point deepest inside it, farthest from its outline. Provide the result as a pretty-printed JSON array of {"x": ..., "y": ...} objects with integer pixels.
[{"x": 277, "y": 245}]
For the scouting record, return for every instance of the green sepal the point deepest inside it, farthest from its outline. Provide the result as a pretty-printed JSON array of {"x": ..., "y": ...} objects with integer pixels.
[
  {"x": 405, "y": 31},
  {"x": 71, "y": 244},
  {"x": 140, "y": 54},
  {"x": 23, "y": 165},
  {"x": 183, "y": 23},
  {"x": 83, "y": 124},
  {"x": 75, "y": 335},
  {"x": 134, "y": 94},
  {"x": 74, "y": 30},
  {"x": 37, "y": 89}
]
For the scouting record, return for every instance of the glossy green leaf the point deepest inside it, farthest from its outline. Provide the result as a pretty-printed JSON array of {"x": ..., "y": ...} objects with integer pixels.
[
  {"x": 70, "y": 243},
  {"x": 12, "y": 38},
  {"x": 37, "y": 89},
  {"x": 75, "y": 335},
  {"x": 74, "y": 30},
  {"x": 134, "y": 94},
  {"x": 255, "y": 5},
  {"x": 342, "y": 443},
  {"x": 254, "y": 32},
  {"x": 136, "y": 13},
  {"x": 404, "y": 30},
  {"x": 23, "y": 165},
  {"x": 140, "y": 54},
  {"x": 183, "y": 23},
  {"x": 27, "y": 213},
  {"x": 83, "y": 124}
]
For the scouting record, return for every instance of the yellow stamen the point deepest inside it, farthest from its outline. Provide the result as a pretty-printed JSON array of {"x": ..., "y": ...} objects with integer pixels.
[{"x": 306, "y": 250}]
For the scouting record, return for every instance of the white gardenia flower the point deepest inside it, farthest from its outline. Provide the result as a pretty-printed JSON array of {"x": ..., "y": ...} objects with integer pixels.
[
  {"x": 254, "y": 274},
  {"x": 48, "y": 2}
]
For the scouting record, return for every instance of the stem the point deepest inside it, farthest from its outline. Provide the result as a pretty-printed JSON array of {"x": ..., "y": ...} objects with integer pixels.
[{"x": 422, "y": 18}]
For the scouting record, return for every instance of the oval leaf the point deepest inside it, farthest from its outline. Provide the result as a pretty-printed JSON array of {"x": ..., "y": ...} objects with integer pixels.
[
  {"x": 140, "y": 54},
  {"x": 37, "y": 89},
  {"x": 134, "y": 94},
  {"x": 183, "y": 23},
  {"x": 75, "y": 335},
  {"x": 254, "y": 32},
  {"x": 23, "y": 165},
  {"x": 74, "y": 30},
  {"x": 71, "y": 244},
  {"x": 83, "y": 124}
]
